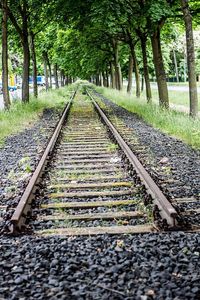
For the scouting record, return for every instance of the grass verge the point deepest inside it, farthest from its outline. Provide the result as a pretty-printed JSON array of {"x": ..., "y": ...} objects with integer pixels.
[
  {"x": 22, "y": 116},
  {"x": 175, "y": 97},
  {"x": 171, "y": 122}
]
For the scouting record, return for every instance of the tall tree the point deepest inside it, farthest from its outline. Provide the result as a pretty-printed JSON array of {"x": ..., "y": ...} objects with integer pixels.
[
  {"x": 190, "y": 58},
  {"x": 159, "y": 67},
  {"x": 6, "y": 97},
  {"x": 18, "y": 14}
]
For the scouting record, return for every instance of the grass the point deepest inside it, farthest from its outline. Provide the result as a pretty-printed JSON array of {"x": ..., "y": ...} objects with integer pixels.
[
  {"x": 23, "y": 116},
  {"x": 176, "y": 97},
  {"x": 173, "y": 123}
]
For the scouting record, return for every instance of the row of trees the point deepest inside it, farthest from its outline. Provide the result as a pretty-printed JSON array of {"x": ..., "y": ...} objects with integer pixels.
[{"x": 102, "y": 41}]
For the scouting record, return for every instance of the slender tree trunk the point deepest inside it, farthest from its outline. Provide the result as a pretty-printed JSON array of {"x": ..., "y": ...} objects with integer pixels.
[
  {"x": 56, "y": 76},
  {"x": 46, "y": 71},
  {"x": 159, "y": 69},
  {"x": 50, "y": 72},
  {"x": 136, "y": 69},
  {"x": 185, "y": 66},
  {"x": 62, "y": 78},
  {"x": 26, "y": 64},
  {"x": 107, "y": 78},
  {"x": 100, "y": 79},
  {"x": 118, "y": 77},
  {"x": 97, "y": 80},
  {"x": 142, "y": 84},
  {"x": 104, "y": 79},
  {"x": 22, "y": 29},
  {"x": 6, "y": 96},
  {"x": 190, "y": 58},
  {"x": 143, "y": 40},
  {"x": 176, "y": 66},
  {"x": 130, "y": 74},
  {"x": 112, "y": 74},
  {"x": 26, "y": 55},
  {"x": 34, "y": 61}
]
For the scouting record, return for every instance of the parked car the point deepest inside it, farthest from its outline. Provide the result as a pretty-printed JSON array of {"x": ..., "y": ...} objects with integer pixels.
[{"x": 12, "y": 88}]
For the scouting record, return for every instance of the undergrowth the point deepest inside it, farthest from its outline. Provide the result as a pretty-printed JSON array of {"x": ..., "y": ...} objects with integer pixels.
[
  {"x": 23, "y": 116},
  {"x": 174, "y": 123}
]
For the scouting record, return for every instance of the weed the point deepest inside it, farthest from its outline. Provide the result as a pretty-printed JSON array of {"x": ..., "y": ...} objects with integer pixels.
[
  {"x": 112, "y": 147},
  {"x": 147, "y": 210}
]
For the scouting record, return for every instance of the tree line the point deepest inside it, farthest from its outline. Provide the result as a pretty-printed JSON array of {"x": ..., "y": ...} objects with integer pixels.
[{"x": 101, "y": 41}]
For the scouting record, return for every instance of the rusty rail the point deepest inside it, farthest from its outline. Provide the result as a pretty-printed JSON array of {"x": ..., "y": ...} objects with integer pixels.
[
  {"x": 20, "y": 213},
  {"x": 166, "y": 210}
]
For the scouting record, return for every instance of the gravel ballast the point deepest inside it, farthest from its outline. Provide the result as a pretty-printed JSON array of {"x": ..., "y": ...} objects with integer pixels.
[{"x": 142, "y": 267}]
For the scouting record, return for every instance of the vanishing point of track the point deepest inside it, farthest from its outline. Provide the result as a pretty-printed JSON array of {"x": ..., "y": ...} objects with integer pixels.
[{"x": 89, "y": 182}]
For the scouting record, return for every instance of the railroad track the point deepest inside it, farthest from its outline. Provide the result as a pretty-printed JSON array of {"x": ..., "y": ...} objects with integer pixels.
[{"x": 89, "y": 182}]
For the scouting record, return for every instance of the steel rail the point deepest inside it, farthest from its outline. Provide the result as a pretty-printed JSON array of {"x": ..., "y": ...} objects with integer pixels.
[
  {"x": 20, "y": 213},
  {"x": 166, "y": 210}
]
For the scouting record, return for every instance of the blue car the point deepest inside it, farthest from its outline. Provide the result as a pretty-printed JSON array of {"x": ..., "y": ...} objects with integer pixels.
[{"x": 12, "y": 88}]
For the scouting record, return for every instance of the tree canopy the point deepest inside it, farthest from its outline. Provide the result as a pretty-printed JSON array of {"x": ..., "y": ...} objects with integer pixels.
[{"x": 104, "y": 42}]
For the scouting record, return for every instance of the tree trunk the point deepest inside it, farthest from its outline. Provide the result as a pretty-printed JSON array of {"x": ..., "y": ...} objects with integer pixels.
[
  {"x": 176, "y": 66},
  {"x": 34, "y": 61},
  {"x": 100, "y": 79},
  {"x": 22, "y": 29},
  {"x": 136, "y": 69},
  {"x": 62, "y": 77},
  {"x": 104, "y": 79},
  {"x": 190, "y": 58},
  {"x": 143, "y": 41},
  {"x": 118, "y": 77},
  {"x": 107, "y": 78},
  {"x": 142, "y": 84},
  {"x": 112, "y": 74},
  {"x": 6, "y": 96},
  {"x": 159, "y": 69},
  {"x": 56, "y": 76},
  {"x": 50, "y": 72},
  {"x": 130, "y": 74},
  {"x": 26, "y": 64},
  {"x": 97, "y": 80},
  {"x": 45, "y": 71}
]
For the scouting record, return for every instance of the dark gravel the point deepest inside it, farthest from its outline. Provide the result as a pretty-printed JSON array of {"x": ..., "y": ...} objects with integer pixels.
[
  {"x": 151, "y": 266},
  {"x": 19, "y": 157}
]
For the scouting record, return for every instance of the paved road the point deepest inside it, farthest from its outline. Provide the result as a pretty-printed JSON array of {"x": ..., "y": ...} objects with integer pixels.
[{"x": 180, "y": 88}]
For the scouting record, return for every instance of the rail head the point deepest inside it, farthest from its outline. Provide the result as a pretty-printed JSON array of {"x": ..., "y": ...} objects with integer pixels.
[
  {"x": 22, "y": 208},
  {"x": 166, "y": 210}
]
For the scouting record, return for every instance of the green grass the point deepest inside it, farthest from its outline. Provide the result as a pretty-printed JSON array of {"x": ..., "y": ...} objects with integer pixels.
[
  {"x": 173, "y": 123},
  {"x": 22, "y": 116},
  {"x": 175, "y": 97}
]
